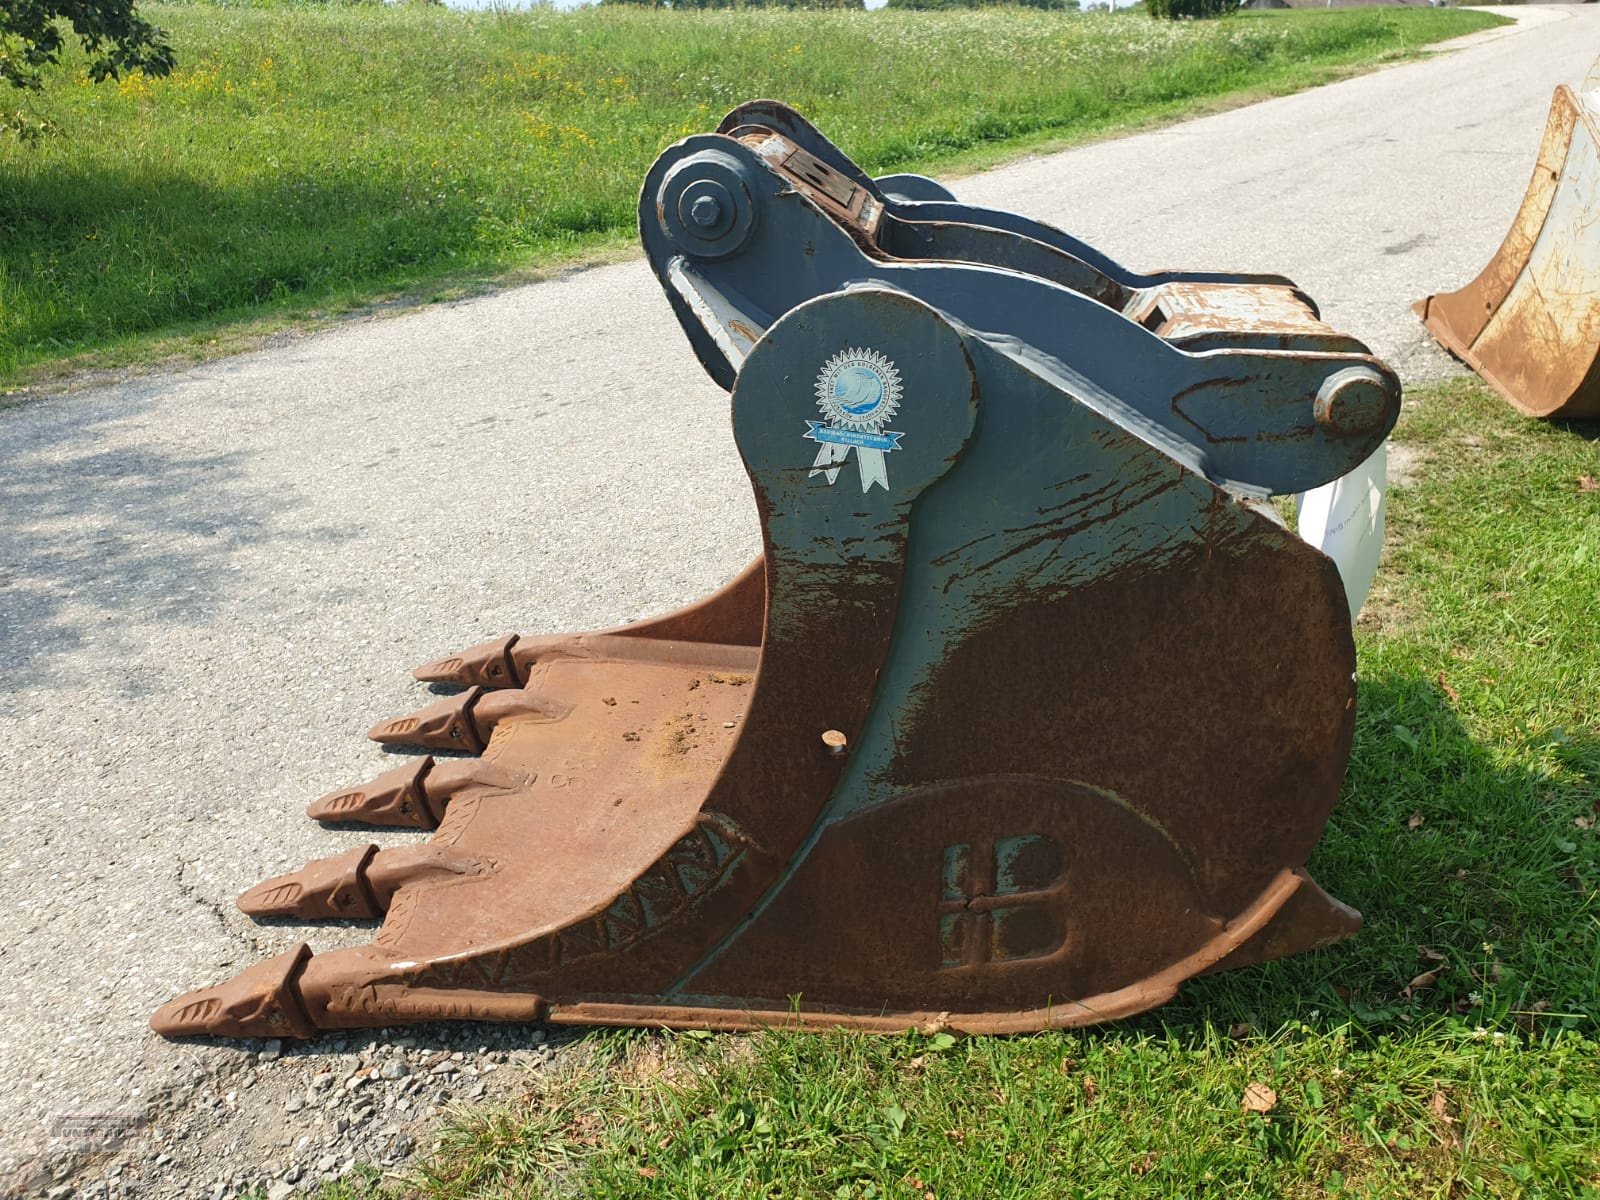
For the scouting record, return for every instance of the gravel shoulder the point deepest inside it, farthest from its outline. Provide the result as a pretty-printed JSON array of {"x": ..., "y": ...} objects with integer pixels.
[{"x": 213, "y": 579}]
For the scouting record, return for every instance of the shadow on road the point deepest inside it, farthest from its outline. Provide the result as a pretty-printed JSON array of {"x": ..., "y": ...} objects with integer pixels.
[{"x": 110, "y": 524}]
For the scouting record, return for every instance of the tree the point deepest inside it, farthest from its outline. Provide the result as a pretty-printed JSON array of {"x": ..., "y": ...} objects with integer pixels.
[
  {"x": 113, "y": 35},
  {"x": 1174, "y": 9}
]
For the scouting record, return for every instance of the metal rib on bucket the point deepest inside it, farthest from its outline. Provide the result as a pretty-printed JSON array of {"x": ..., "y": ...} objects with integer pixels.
[{"x": 1529, "y": 324}]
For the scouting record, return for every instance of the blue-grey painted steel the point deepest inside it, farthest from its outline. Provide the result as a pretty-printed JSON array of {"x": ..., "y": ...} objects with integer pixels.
[
  {"x": 1029, "y": 485},
  {"x": 911, "y": 189},
  {"x": 1248, "y": 418}
]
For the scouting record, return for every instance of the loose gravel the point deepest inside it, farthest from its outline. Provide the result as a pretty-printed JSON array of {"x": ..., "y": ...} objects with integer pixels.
[{"x": 280, "y": 1117}]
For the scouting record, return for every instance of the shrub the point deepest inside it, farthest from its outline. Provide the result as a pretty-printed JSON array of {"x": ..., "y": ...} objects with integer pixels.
[{"x": 1174, "y": 9}]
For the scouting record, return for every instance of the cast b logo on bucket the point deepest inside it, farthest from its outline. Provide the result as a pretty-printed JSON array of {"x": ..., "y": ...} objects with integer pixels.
[{"x": 858, "y": 392}]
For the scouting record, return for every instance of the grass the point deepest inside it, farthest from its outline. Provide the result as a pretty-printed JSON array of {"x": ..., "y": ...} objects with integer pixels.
[
  {"x": 311, "y": 158},
  {"x": 1469, "y": 833}
]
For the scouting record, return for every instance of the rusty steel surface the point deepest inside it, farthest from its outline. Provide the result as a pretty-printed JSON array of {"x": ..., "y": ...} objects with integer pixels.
[
  {"x": 1529, "y": 324},
  {"x": 1029, "y": 711}
]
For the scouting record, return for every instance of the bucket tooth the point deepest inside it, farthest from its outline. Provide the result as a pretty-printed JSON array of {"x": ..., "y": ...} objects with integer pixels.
[
  {"x": 463, "y": 722},
  {"x": 730, "y": 616},
  {"x": 1529, "y": 324},
  {"x": 413, "y": 796},
  {"x": 980, "y": 742},
  {"x": 262, "y": 1002},
  {"x": 396, "y": 797},
  {"x": 487, "y": 664},
  {"x": 357, "y": 884},
  {"x": 445, "y": 724},
  {"x": 325, "y": 888},
  {"x": 504, "y": 663}
]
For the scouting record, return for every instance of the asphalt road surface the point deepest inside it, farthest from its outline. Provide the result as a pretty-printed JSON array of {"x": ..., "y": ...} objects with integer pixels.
[{"x": 212, "y": 580}]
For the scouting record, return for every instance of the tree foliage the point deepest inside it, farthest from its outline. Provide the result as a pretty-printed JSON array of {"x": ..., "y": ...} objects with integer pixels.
[
  {"x": 113, "y": 35},
  {"x": 1174, "y": 9},
  {"x": 688, "y": 5}
]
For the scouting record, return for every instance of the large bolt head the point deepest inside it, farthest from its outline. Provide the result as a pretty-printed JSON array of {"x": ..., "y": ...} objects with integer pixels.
[
  {"x": 706, "y": 209},
  {"x": 705, "y": 203},
  {"x": 705, "y": 212},
  {"x": 1352, "y": 402}
]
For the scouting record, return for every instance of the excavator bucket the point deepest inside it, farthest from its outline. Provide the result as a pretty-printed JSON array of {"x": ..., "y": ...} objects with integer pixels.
[
  {"x": 1530, "y": 322},
  {"x": 1030, "y": 710}
]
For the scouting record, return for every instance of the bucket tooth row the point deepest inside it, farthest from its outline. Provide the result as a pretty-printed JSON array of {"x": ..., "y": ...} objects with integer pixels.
[{"x": 1029, "y": 710}]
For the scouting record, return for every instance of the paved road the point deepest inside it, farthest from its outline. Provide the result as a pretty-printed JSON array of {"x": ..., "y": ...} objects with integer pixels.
[{"x": 211, "y": 581}]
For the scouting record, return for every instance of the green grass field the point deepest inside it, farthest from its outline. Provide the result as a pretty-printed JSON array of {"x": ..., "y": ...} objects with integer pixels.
[
  {"x": 319, "y": 156},
  {"x": 1449, "y": 1050}
]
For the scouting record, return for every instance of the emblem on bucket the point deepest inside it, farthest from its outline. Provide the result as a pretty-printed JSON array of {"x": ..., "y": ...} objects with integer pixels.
[{"x": 858, "y": 392}]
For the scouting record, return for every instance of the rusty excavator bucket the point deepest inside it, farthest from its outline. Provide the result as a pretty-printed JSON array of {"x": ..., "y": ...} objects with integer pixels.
[
  {"x": 1030, "y": 710},
  {"x": 1530, "y": 322}
]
